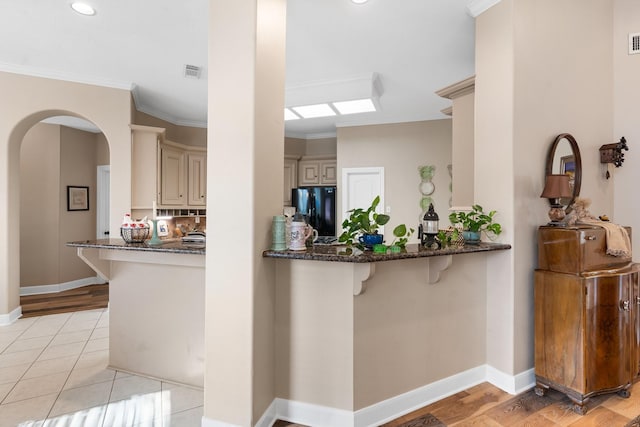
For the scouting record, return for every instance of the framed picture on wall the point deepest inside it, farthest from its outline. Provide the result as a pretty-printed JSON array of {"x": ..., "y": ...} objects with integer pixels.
[{"x": 77, "y": 198}]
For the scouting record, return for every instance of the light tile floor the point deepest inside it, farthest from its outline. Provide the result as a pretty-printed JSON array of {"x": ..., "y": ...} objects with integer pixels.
[{"x": 53, "y": 373}]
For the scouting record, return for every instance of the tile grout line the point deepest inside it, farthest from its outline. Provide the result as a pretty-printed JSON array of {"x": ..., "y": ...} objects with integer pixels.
[
  {"x": 34, "y": 361},
  {"x": 74, "y": 365}
]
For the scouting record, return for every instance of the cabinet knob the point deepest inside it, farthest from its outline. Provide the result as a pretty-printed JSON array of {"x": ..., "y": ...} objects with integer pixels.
[
  {"x": 624, "y": 305},
  {"x": 590, "y": 237},
  {"x": 638, "y": 300}
]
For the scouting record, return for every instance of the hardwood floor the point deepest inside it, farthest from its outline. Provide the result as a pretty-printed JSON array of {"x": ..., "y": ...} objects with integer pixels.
[
  {"x": 84, "y": 298},
  {"x": 487, "y": 406}
]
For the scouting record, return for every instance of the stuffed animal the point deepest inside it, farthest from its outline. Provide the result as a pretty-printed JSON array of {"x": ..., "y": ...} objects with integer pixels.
[{"x": 580, "y": 212}]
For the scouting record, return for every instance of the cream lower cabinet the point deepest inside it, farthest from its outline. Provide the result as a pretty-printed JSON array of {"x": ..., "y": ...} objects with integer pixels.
[{"x": 317, "y": 172}]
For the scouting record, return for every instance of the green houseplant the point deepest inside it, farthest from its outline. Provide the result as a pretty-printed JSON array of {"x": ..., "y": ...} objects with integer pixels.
[
  {"x": 474, "y": 222},
  {"x": 363, "y": 222},
  {"x": 361, "y": 228}
]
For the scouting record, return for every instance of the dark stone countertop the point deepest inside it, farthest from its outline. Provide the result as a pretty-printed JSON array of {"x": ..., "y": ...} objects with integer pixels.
[
  {"x": 340, "y": 253},
  {"x": 172, "y": 246}
]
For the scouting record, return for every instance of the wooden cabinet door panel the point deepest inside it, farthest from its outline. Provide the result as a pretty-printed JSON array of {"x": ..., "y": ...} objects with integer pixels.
[
  {"x": 559, "y": 341},
  {"x": 607, "y": 331}
]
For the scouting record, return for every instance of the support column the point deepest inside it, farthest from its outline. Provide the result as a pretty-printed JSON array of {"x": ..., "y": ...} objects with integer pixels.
[{"x": 245, "y": 179}]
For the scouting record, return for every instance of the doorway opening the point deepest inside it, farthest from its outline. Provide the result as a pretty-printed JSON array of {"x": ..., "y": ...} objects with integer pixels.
[{"x": 59, "y": 158}]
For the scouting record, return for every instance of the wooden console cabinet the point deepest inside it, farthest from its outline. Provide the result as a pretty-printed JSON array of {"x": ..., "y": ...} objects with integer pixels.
[{"x": 587, "y": 320}]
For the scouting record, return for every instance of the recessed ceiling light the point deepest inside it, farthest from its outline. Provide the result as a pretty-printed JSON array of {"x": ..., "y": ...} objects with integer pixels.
[
  {"x": 353, "y": 107},
  {"x": 290, "y": 115},
  {"x": 83, "y": 8},
  {"x": 359, "y": 1},
  {"x": 317, "y": 110}
]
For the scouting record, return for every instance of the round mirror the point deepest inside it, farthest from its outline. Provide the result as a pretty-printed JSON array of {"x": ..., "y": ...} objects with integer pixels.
[{"x": 564, "y": 158}]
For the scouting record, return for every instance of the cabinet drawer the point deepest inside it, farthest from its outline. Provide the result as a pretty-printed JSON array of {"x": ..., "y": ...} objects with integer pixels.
[{"x": 575, "y": 250}]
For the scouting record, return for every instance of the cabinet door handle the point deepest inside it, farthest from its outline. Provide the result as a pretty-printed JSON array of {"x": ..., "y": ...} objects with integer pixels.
[
  {"x": 590, "y": 237},
  {"x": 624, "y": 305},
  {"x": 638, "y": 300}
]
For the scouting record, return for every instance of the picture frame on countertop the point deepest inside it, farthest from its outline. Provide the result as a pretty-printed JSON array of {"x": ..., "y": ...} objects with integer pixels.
[{"x": 77, "y": 198}]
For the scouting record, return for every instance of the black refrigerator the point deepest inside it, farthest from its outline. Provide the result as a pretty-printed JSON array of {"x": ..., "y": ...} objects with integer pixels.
[{"x": 318, "y": 205}]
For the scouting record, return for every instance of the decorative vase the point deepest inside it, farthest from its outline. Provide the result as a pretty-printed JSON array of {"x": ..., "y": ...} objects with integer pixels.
[{"x": 471, "y": 237}]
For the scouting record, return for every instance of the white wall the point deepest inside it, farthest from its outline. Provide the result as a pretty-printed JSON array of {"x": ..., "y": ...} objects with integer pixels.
[
  {"x": 626, "y": 110},
  {"x": 401, "y": 148},
  {"x": 536, "y": 77}
]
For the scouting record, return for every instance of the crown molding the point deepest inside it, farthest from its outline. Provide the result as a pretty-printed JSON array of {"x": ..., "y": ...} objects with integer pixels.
[
  {"x": 64, "y": 76},
  {"x": 447, "y": 111},
  {"x": 139, "y": 106},
  {"x": 476, "y": 7},
  {"x": 458, "y": 89}
]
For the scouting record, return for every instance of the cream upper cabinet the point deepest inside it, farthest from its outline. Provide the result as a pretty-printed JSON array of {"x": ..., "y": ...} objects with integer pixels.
[
  {"x": 290, "y": 178},
  {"x": 172, "y": 176},
  {"x": 197, "y": 179},
  {"x": 145, "y": 165},
  {"x": 328, "y": 172},
  {"x": 317, "y": 172},
  {"x": 183, "y": 175}
]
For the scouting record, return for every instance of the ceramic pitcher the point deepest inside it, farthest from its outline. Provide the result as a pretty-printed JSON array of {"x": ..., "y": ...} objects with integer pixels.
[{"x": 300, "y": 232}]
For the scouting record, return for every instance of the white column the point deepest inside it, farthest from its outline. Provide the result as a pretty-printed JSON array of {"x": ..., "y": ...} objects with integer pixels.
[{"x": 245, "y": 179}]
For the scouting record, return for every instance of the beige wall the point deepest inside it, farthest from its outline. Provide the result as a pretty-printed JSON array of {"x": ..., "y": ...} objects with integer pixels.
[
  {"x": 626, "y": 96},
  {"x": 536, "y": 77},
  {"x": 39, "y": 206},
  {"x": 310, "y": 147},
  {"x": 400, "y": 148},
  {"x": 187, "y": 135},
  {"x": 51, "y": 158},
  {"x": 20, "y": 112}
]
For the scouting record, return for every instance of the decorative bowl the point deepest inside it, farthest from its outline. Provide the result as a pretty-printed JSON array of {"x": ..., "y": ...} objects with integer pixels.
[{"x": 134, "y": 234}]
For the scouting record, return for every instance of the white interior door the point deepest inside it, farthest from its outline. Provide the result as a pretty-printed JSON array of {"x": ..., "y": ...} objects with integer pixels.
[
  {"x": 102, "y": 202},
  {"x": 359, "y": 187}
]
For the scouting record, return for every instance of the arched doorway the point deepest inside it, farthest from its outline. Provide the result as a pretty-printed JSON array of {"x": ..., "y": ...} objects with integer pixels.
[
  {"x": 60, "y": 158},
  {"x": 26, "y": 101}
]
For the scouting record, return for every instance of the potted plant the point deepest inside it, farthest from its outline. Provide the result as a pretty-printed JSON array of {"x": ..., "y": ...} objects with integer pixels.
[
  {"x": 474, "y": 222},
  {"x": 362, "y": 226}
]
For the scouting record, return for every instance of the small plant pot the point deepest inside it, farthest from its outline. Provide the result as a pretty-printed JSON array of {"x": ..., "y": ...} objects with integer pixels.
[
  {"x": 395, "y": 249},
  {"x": 471, "y": 237},
  {"x": 368, "y": 240},
  {"x": 379, "y": 248}
]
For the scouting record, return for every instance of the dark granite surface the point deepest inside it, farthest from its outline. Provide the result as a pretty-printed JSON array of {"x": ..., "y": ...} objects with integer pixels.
[
  {"x": 173, "y": 246},
  {"x": 339, "y": 253}
]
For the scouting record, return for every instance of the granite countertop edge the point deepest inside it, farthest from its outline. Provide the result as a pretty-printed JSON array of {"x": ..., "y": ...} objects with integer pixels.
[
  {"x": 174, "y": 246},
  {"x": 331, "y": 253}
]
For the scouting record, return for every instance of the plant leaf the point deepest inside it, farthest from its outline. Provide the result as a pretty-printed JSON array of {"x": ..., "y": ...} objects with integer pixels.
[{"x": 400, "y": 230}]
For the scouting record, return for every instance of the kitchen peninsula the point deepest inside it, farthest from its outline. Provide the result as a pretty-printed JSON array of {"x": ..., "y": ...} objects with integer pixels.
[
  {"x": 156, "y": 306},
  {"x": 359, "y": 334}
]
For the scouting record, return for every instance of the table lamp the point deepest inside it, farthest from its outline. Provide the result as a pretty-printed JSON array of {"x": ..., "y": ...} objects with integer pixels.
[{"x": 556, "y": 187}]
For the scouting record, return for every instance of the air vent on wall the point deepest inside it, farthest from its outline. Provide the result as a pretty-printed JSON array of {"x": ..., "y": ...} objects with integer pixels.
[
  {"x": 634, "y": 43},
  {"x": 192, "y": 71}
]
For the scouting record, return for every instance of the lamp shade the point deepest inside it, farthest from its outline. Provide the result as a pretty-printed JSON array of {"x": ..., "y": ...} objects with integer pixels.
[{"x": 556, "y": 187}]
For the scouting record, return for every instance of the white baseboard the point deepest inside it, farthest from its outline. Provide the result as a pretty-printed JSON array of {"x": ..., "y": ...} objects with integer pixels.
[
  {"x": 7, "y": 319},
  {"x": 313, "y": 415},
  {"x": 397, "y": 406},
  {"x": 387, "y": 410},
  {"x": 510, "y": 383},
  {"x": 51, "y": 289}
]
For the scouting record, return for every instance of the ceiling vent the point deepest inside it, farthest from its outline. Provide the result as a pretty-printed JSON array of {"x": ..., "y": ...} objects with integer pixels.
[
  {"x": 634, "y": 43},
  {"x": 192, "y": 71}
]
